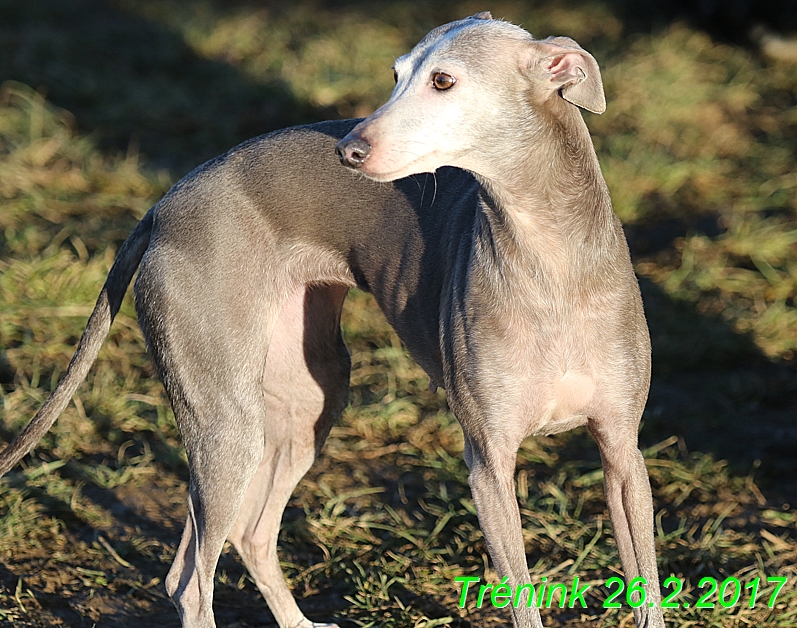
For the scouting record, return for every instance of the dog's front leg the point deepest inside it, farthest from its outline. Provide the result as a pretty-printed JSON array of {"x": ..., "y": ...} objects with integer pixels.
[
  {"x": 492, "y": 470},
  {"x": 630, "y": 504}
]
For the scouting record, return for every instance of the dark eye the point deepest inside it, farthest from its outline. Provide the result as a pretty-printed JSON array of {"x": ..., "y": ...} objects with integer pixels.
[
  {"x": 442, "y": 81},
  {"x": 395, "y": 76}
]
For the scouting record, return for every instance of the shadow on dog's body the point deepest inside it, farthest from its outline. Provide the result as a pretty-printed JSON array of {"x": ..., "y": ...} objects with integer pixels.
[{"x": 532, "y": 321}]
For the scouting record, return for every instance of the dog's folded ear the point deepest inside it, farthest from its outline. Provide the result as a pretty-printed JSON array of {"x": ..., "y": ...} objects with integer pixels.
[
  {"x": 484, "y": 15},
  {"x": 566, "y": 67}
]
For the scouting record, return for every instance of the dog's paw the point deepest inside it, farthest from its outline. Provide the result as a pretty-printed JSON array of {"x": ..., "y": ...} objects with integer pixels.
[{"x": 306, "y": 623}]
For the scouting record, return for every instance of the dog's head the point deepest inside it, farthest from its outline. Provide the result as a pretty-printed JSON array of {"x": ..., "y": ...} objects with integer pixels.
[{"x": 468, "y": 91}]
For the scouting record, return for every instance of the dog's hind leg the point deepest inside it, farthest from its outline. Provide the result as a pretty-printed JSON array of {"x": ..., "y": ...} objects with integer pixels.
[
  {"x": 306, "y": 389},
  {"x": 222, "y": 428},
  {"x": 208, "y": 335}
]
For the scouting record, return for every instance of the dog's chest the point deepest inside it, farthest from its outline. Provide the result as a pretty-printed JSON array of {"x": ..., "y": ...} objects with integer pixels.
[
  {"x": 547, "y": 367},
  {"x": 550, "y": 381}
]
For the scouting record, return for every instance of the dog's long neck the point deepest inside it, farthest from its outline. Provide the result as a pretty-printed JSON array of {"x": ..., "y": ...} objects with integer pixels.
[{"x": 551, "y": 205}]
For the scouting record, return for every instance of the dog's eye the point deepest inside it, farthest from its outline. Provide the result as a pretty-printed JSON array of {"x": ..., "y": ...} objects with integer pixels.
[
  {"x": 442, "y": 81},
  {"x": 395, "y": 76}
]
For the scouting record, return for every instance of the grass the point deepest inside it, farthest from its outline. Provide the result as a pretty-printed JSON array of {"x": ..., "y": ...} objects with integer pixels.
[{"x": 108, "y": 103}]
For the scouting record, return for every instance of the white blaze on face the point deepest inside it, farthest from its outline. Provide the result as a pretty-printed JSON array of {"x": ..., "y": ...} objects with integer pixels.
[
  {"x": 428, "y": 124},
  {"x": 417, "y": 131},
  {"x": 420, "y": 128}
]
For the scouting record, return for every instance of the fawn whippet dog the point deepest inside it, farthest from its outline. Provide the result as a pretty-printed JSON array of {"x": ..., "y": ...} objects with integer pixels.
[{"x": 507, "y": 276}]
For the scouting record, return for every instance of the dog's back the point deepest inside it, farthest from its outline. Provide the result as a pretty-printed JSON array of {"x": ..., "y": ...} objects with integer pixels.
[{"x": 278, "y": 211}]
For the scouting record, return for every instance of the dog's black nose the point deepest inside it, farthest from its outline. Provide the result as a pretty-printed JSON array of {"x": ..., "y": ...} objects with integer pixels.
[{"x": 352, "y": 152}]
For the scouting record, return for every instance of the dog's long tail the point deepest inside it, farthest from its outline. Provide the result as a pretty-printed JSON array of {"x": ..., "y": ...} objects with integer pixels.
[{"x": 99, "y": 324}]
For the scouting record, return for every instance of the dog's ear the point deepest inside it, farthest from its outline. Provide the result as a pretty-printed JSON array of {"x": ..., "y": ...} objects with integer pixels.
[
  {"x": 484, "y": 15},
  {"x": 565, "y": 66}
]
